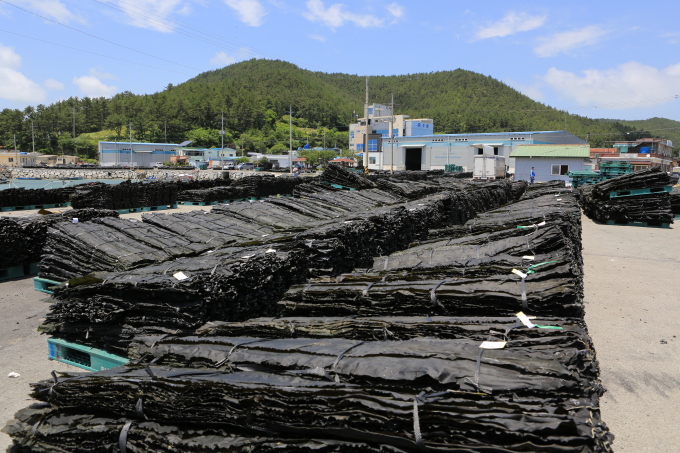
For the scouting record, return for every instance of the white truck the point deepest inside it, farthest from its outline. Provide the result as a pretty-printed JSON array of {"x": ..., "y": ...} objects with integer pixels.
[{"x": 489, "y": 167}]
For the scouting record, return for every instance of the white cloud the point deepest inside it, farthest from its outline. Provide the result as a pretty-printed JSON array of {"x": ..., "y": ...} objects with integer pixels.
[
  {"x": 336, "y": 16},
  {"x": 53, "y": 9},
  {"x": 222, "y": 59},
  {"x": 93, "y": 87},
  {"x": 532, "y": 91},
  {"x": 568, "y": 40},
  {"x": 397, "y": 11},
  {"x": 619, "y": 87},
  {"x": 161, "y": 9},
  {"x": 52, "y": 84},
  {"x": 318, "y": 38},
  {"x": 96, "y": 72},
  {"x": 250, "y": 12},
  {"x": 14, "y": 86},
  {"x": 512, "y": 23}
]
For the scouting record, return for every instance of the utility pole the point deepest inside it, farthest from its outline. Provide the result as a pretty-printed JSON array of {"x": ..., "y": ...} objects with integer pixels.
[
  {"x": 130, "y": 161},
  {"x": 74, "y": 121},
  {"x": 222, "y": 130},
  {"x": 290, "y": 138},
  {"x": 366, "y": 131},
  {"x": 165, "y": 123},
  {"x": 32, "y": 136},
  {"x": 16, "y": 153},
  {"x": 392, "y": 133}
]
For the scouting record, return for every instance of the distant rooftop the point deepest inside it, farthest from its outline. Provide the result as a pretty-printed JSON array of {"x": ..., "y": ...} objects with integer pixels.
[{"x": 551, "y": 151}]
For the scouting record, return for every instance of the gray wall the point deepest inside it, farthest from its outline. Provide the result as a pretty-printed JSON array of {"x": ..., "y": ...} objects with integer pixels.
[{"x": 543, "y": 167}]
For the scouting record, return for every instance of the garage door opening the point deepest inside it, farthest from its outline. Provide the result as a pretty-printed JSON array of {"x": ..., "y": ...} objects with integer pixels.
[{"x": 414, "y": 157}]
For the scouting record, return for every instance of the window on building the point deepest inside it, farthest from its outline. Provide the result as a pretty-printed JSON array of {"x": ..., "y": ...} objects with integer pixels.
[
  {"x": 360, "y": 147},
  {"x": 495, "y": 150},
  {"x": 480, "y": 151},
  {"x": 373, "y": 145},
  {"x": 371, "y": 160},
  {"x": 11, "y": 159},
  {"x": 559, "y": 170}
]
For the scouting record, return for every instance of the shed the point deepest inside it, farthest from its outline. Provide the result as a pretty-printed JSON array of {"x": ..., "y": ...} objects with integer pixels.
[
  {"x": 344, "y": 161},
  {"x": 550, "y": 162}
]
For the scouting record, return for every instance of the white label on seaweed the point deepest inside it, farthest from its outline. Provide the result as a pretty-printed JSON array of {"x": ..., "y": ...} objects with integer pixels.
[
  {"x": 519, "y": 272},
  {"x": 541, "y": 224},
  {"x": 493, "y": 345},
  {"x": 75, "y": 220},
  {"x": 528, "y": 257},
  {"x": 180, "y": 276},
  {"x": 525, "y": 320},
  {"x": 270, "y": 251}
]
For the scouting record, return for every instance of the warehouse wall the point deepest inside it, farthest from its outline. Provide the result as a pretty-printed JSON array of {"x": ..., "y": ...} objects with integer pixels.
[{"x": 543, "y": 167}]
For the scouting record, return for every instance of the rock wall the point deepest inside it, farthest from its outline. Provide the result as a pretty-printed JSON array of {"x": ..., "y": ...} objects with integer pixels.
[{"x": 103, "y": 173}]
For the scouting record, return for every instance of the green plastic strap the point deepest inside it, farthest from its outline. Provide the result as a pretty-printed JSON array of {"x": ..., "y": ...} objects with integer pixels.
[
  {"x": 549, "y": 327},
  {"x": 530, "y": 268}
]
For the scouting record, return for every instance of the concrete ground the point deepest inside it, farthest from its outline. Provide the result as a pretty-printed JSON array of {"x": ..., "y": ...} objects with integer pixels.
[
  {"x": 630, "y": 311},
  {"x": 633, "y": 316}
]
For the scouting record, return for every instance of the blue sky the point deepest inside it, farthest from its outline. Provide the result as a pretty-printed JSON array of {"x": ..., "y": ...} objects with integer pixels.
[{"x": 601, "y": 59}]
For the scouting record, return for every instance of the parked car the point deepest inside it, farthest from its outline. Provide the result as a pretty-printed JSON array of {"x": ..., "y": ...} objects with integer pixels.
[
  {"x": 675, "y": 178},
  {"x": 245, "y": 166},
  {"x": 228, "y": 167}
]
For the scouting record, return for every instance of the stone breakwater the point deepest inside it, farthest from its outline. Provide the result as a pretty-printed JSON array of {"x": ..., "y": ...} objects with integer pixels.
[{"x": 103, "y": 173}]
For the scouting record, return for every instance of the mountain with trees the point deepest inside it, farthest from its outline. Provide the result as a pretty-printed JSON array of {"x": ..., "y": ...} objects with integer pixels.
[{"x": 255, "y": 96}]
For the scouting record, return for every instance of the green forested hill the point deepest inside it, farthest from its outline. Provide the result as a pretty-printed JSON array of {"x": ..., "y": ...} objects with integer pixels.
[{"x": 255, "y": 96}]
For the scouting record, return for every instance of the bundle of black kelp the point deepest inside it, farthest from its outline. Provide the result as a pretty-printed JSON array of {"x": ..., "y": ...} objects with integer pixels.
[
  {"x": 31, "y": 197},
  {"x": 403, "y": 175},
  {"x": 125, "y": 195},
  {"x": 218, "y": 405},
  {"x": 538, "y": 368},
  {"x": 214, "y": 194},
  {"x": 636, "y": 197},
  {"x": 675, "y": 200},
  {"x": 229, "y": 284},
  {"x": 197, "y": 184},
  {"x": 41, "y": 429},
  {"x": 545, "y": 188},
  {"x": 408, "y": 189},
  {"x": 547, "y": 292},
  {"x": 337, "y": 174},
  {"x": 75, "y": 249},
  {"x": 563, "y": 333},
  {"x": 266, "y": 185},
  {"x": 23, "y": 239}
]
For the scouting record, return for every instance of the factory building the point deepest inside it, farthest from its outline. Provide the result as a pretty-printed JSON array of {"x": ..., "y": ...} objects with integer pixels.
[
  {"x": 378, "y": 128},
  {"x": 434, "y": 152},
  {"x": 135, "y": 154}
]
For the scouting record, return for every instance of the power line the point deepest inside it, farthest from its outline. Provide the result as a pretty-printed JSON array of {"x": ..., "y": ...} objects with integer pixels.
[
  {"x": 192, "y": 32},
  {"x": 93, "y": 53},
  {"x": 98, "y": 37}
]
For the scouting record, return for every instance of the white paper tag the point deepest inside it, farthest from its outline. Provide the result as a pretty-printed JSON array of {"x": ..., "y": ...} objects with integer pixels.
[
  {"x": 541, "y": 224},
  {"x": 493, "y": 345},
  {"x": 525, "y": 320},
  {"x": 559, "y": 199},
  {"x": 75, "y": 220},
  {"x": 247, "y": 257},
  {"x": 210, "y": 251},
  {"x": 180, "y": 276},
  {"x": 528, "y": 257},
  {"x": 270, "y": 251},
  {"x": 265, "y": 235},
  {"x": 519, "y": 272}
]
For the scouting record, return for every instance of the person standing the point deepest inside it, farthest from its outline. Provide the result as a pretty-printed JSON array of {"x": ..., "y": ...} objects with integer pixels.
[{"x": 532, "y": 175}]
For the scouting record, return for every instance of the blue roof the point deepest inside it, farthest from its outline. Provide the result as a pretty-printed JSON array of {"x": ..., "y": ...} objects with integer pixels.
[
  {"x": 124, "y": 142},
  {"x": 485, "y": 133}
]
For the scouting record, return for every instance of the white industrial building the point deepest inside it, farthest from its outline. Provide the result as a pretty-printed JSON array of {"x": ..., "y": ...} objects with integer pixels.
[
  {"x": 433, "y": 152},
  {"x": 378, "y": 125},
  {"x": 135, "y": 154}
]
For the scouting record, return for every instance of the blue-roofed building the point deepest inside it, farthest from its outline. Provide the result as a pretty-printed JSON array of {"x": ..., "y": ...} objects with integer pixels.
[
  {"x": 434, "y": 152},
  {"x": 135, "y": 154}
]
